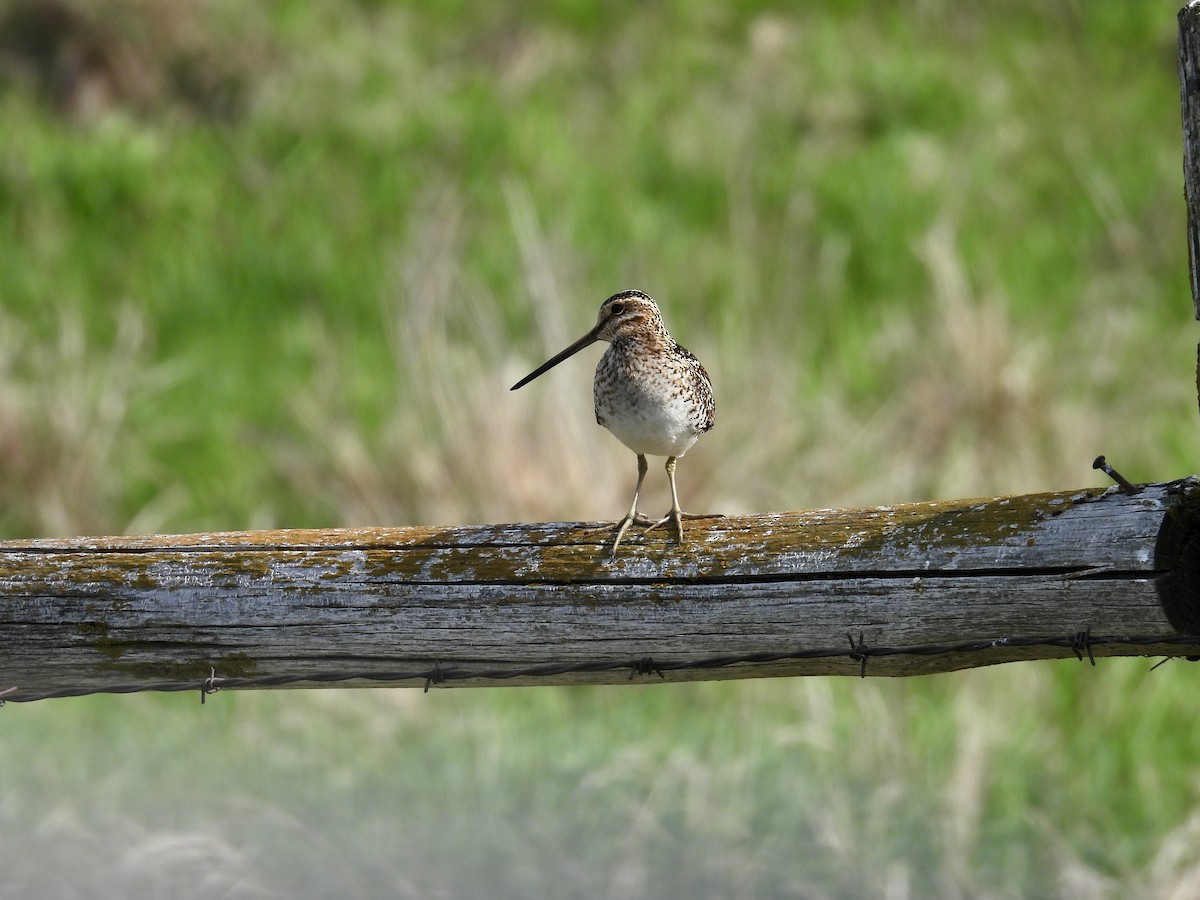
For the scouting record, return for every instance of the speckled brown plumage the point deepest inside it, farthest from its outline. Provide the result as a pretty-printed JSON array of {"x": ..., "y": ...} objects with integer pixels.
[{"x": 650, "y": 392}]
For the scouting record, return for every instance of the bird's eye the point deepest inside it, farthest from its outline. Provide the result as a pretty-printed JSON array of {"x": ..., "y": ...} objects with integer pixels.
[{"x": 618, "y": 308}]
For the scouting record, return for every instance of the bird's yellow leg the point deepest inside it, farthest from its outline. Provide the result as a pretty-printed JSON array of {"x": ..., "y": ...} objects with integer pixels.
[
  {"x": 676, "y": 515},
  {"x": 631, "y": 517}
]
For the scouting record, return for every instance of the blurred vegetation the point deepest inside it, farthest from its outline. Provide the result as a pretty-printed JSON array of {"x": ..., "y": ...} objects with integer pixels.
[
  {"x": 947, "y": 238},
  {"x": 277, "y": 265}
]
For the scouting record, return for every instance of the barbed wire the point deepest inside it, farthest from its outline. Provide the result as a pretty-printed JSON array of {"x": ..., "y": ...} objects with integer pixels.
[{"x": 1081, "y": 643}]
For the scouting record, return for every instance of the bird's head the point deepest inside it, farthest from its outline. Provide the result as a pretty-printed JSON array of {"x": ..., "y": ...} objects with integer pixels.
[{"x": 629, "y": 314}]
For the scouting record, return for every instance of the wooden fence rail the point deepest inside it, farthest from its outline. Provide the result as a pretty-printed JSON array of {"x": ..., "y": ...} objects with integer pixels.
[{"x": 901, "y": 590}]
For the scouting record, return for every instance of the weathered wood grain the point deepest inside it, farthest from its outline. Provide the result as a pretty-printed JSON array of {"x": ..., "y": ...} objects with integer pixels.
[{"x": 113, "y": 612}]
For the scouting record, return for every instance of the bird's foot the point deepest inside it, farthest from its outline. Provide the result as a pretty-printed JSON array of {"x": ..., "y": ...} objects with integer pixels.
[
  {"x": 638, "y": 521},
  {"x": 675, "y": 517},
  {"x": 623, "y": 526}
]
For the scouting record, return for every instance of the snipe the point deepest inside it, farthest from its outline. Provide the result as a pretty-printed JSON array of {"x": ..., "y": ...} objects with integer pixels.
[{"x": 650, "y": 392}]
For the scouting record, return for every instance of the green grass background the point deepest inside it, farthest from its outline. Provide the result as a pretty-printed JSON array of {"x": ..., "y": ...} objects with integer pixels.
[{"x": 283, "y": 273}]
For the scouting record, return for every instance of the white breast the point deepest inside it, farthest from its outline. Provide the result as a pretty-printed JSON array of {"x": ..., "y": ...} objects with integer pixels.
[{"x": 645, "y": 410}]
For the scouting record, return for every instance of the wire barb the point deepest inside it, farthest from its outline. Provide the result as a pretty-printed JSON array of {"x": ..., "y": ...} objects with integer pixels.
[
  {"x": 435, "y": 676},
  {"x": 1081, "y": 642},
  {"x": 210, "y": 685},
  {"x": 1101, "y": 463},
  {"x": 644, "y": 666},
  {"x": 859, "y": 652}
]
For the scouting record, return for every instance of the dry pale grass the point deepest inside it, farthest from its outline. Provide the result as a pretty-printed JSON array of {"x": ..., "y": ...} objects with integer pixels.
[
  {"x": 67, "y": 451},
  {"x": 979, "y": 404},
  {"x": 1173, "y": 873},
  {"x": 459, "y": 446},
  {"x": 77, "y": 854}
]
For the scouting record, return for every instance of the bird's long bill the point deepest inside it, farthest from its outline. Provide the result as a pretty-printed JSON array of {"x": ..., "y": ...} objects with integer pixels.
[{"x": 585, "y": 341}]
